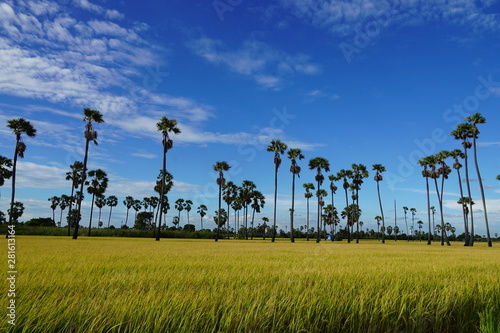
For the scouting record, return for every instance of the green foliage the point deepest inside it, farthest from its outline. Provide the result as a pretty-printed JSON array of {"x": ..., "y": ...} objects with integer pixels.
[
  {"x": 144, "y": 221},
  {"x": 41, "y": 222},
  {"x": 189, "y": 227}
]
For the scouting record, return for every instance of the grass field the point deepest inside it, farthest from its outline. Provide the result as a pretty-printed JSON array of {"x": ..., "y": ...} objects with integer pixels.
[{"x": 139, "y": 285}]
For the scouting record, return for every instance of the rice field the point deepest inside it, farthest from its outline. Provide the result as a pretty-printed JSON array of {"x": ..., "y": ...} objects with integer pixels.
[{"x": 139, "y": 285}]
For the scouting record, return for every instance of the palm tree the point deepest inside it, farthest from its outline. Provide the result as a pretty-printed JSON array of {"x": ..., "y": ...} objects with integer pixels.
[
  {"x": 264, "y": 225},
  {"x": 202, "y": 211},
  {"x": 165, "y": 126},
  {"x": 308, "y": 195},
  {"x": 378, "y": 218},
  {"x": 237, "y": 206},
  {"x": 54, "y": 202},
  {"x": 278, "y": 148},
  {"x": 129, "y": 203},
  {"x": 19, "y": 127},
  {"x": 76, "y": 176},
  {"x": 352, "y": 214},
  {"x": 359, "y": 172},
  {"x": 100, "y": 202},
  {"x": 97, "y": 187},
  {"x": 220, "y": 218},
  {"x": 321, "y": 193},
  {"x": 294, "y": 154},
  {"x": 90, "y": 116},
  {"x": 112, "y": 201},
  {"x": 258, "y": 202},
  {"x": 5, "y": 165},
  {"x": 220, "y": 167},
  {"x": 320, "y": 164},
  {"x": 333, "y": 190},
  {"x": 443, "y": 171},
  {"x": 463, "y": 132},
  {"x": 137, "y": 207},
  {"x": 187, "y": 207},
  {"x": 65, "y": 202},
  {"x": 405, "y": 210},
  {"x": 245, "y": 194},
  {"x": 230, "y": 193},
  {"x": 16, "y": 211},
  {"x": 456, "y": 154},
  {"x": 379, "y": 168},
  {"x": 474, "y": 120},
  {"x": 344, "y": 174},
  {"x": 433, "y": 211},
  {"x": 165, "y": 181},
  {"x": 179, "y": 205},
  {"x": 424, "y": 162},
  {"x": 413, "y": 213}
]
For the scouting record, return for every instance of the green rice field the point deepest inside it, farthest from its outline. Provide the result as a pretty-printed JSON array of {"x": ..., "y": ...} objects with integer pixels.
[{"x": 139, "y": 285}]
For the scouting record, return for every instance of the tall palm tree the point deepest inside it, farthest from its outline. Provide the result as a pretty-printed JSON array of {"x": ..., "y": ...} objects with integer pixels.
[
  {"x": 220, "y": 167},
  {"x": 187, "y": 207},
  {"x": 65, "y": 202},
  {"x": 100, "y": 202},
  {"x": 308, "y": 195},
  {"x": 413, "y": 213},
  {"x": 111, "y": 201},
  {"x": 237, "y": 206},
  {"x": 165, "y": 181},
  {"x": 179, "y": 205},
  {"x": 320, "y": 164},
  {"x": 258, "y": 202},
  {"x": 457, "y": 154},
  {"x": 359, "y": 172},
  {"x": 443, "y": 172},
  {"x": 245, "y": 194},
  {"x": 54, "y": 202},
  {"x": 76, "y": 176},
  {"x": 278, "y": 148},
  {"x": 129, "y": 203},
  {"x": 202, "y": 209},
  {"x": 166, "y": 127},
  {"x": 230, "y": 193},
  {"x": 97, "y": 187},
  {"x": 424, "y": 162},
  {"x": 333, "y": 190},
  {"x": 433, "y": 211},
  {"x": 294, "y": 154},
  {"x": 137, "y": 207},
  {"x": 473, "y": 120},
  {"x": 344, "y": 174},
  {"x": 464, "y": 202},
  {"x": 463, "y": 132},
  {"x": 405, "y": 210},
  {"x": 19, "y": 127},
  {"x": 379, "y": 168},
  {"x": 5, "y": 166},
  {"x": 89, "y": 116},
  {"x": 321, "y": 193}
]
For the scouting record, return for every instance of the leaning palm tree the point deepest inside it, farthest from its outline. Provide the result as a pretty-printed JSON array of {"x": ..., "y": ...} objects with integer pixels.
[
  {"x": 308, "y": 195},
  {"x": 19, "y": 127},
  {"x": 111, "y": 201},
  {"x": 456, "y": 154},
  {"x": 473, "y": 121},
  {"x": 463, "y": 132},
  {"x": 97, "y": 187},
  {"x": 320, "y": 164},
  {"x": 166, "y": 127},
  {"x": 220, "y": 167},
  {"x": 202, "y": 211},
  {"x": 76, "y": 176},
  {"x": 294, "y": 154},
  {"x": 89, "y": 116},
  {"x": 278, "y": 148},
  {"x": 379, "y": 168}
]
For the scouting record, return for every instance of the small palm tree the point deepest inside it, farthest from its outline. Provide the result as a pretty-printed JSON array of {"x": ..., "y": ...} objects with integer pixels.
[
  {"x": 278, "y": 148},
  {"x": 179, "y": 205},
  {"x": 378, "y": 218},
  {"x": 308, "y": 195},
  {"x": 54, "y": 202},
  {"x": 97, "y": 187},
  {"x": 89, "y": 116},
  {"x": 258, "y": 202},
  {"x": 166, "y": 127},
  {"x": 265, "y": 226},
  {"x": 202, "y": 211},
  {"x": 473, "y": 121},
  {"x": 320, "y": 164},
  {"x": 245, "y": 195},
  {"x": 100, "y": 202},
  {"x": 65, "y": 202},
  {"x": 187, "y": 207},
  {"x": 294, "y": 154},
  {"x": 19, "y": 127},
  {"x": 129, "y": 203},
  {"x": 111, "y": 201},
  {"x": 220, "y": 167},
  {"x": 75, "y": 176}
]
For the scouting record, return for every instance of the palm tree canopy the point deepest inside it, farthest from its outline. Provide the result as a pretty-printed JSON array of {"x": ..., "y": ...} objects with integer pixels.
[
  {"x": 166, "y": 126},
  {"x": 295, "y": 154},
  {"x": 379, "y": 168},
  {"x": 21, "y": 126},
  {"x": 112, "y": 201},
  {"x": 308, "y": 186},
  {"x": 221, "y": 166},
  {"x": 277, "y": 146},
  {"x": 319, "y": 163},
  {"x": 92, "y": 116}
]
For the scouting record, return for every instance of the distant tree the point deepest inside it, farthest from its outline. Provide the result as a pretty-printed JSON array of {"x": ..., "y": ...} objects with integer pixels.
[
  {"x": 294, "y": 154},
  {"x": 202, "y": 211},
  {"x": 379, "y": 169},
  {"x": 308, "y": 195},
  {"x": 96, "y": 186},
  {"x": 187, "y": 207},
  {"x": 320, "y": 164},
  {"x": 111, "y": 201},
  {"x": 40, "y": 222},
  {"x": 179, "y": 205},
  {"x": 220, "y": 167},
  {"x": 144, "y": 221},
  {"x": 54, "y": 202},
  {"x": 129, "y": 203},
  {"x": 75, "y": 176},
  {"x": 175, "y": 221},
  {"x": 63, "y": 203},
  {"x": 16, "y": 211},
  {"x": 100, "y": 202}
]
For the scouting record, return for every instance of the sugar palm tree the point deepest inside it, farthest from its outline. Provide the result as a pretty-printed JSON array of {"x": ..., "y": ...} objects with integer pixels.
[
  {"x": 378, "y": 218},
  {"x": 424, "y": 162},
  {"x": 137, "y": 207},
  {"x": 179, "y": 205},
  {"x": 19, "y": 127},
  {"x": 245, "y": 194},
  {"x": 321, "y": 193},
  {"x": 465, "y": 202},
  {"x": 89, "y": 116},
  {"x": 265, "y": 225},
  {"x": 129, "y": 203},
  {"x": 111, "y": 201},
  {"x": 278, "y": 148},
  {"x": 344, "y": 175},
  {"x": 258, "y": 202},
  {"x": 63, "y": 203},
  {"x": 359, "y": 172},
  {"x": 75, "y": 176},
  {"x": 220, "y": 167},
  {"x": 433, "y": 211},
  {"x": 443, "y": 172},
  {"x": 405, "y": 210},
  {"x": 294, "y": 154},
  {"x": 5, "y": 166},
  {"x": 97, "y": 187},
  {"x": 230, "y": 193},
  {"x": 457, "y": 154},
  {"x": 473, "y": 120},
  {"x": 202, "y": 209},
  {"x": 320, "y": 164},
  {"x": 166, "y": 127},
  {"x": 333, "y": 190},
  {"x": 237, "y": 206},
  {"x": 187, "y": 207},
  {"x": 308, "y": 195},
  {"x": 463, "y": 132},
  {"x": 54, "y": 202},
  {"x": 100, "y": 202},
  {"x": 379, "y": 168}
]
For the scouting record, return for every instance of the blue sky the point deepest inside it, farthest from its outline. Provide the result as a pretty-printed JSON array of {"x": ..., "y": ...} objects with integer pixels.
[{"x": 354, "y": 82}]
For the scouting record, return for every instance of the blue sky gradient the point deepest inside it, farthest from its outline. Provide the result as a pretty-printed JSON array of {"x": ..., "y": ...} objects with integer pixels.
[{"x": 352, "y": 81}]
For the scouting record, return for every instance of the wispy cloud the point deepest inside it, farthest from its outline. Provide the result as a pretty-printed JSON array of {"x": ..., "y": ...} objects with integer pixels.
[{"x": 265, "y": 64}]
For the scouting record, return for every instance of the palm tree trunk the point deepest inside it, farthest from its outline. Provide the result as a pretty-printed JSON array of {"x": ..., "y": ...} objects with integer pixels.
[
  {"x": 219, "y": 217},
  {"x": 292, "y": 239},
  {"x": 471, "y": 235},
  {"x": 381, "y": 210},
  {"x": 251, "y": 224},
  {"x": 275, "y": 199},
  {"x": 429, "y": 238},
  {"x": 84, "y": 177},
  {"x": 13, "y": 193},
  {"x": 318, "y": 237},
  {"x": 444, "y": 237},
  {"x": 466, "y": 227},
  {"x": 126, "y": 218},
  {"x": 307, "y": 228},
  {"x": 91, "y": 211},
  {"x": 109, "y": 219},
  {"x": 483, "y": 199},
  {"x": 162, "y": 193},
  {"x": 70, "y": 208}
]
